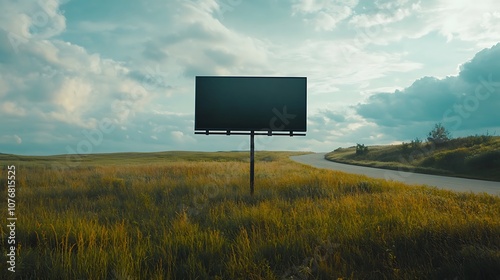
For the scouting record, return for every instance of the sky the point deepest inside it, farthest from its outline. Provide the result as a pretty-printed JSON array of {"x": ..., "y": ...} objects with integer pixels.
[{"x": 118, "y": 76}]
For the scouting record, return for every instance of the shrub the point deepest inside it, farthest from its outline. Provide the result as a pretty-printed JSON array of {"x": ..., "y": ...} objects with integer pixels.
[
  {"x": 439, "y": 134},
  {"x": 413, "y": 146},
  {"x": 452, "y": 160},
  {"x": 405, "y": 148},
  {"x": 472, "y": 141},
  {"x": 487, "y": 160},
  {"x": 361, "y": 149}
]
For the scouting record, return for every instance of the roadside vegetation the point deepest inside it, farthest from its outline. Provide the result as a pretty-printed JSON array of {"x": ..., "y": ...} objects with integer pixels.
[
  {"x": 184, "y": 215},
  {"x": 475, "y": 157}
]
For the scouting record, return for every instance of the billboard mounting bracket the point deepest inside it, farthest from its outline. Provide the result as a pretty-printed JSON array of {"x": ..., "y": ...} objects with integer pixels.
[{"x": 268, "y": 133}]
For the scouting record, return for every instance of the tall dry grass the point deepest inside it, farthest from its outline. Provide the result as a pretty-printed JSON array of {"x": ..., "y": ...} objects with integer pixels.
[{"x": 196, "y": 220}]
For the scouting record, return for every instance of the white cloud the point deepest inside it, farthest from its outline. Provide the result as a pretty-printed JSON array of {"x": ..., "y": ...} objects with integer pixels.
[
  {"x": 11, "y": 108},
  {"x": 371, "y": 91},
  {"x": 73, "y": 95},
  {"x": 387, "y": 17},
  {"x": 10, "y": 139},
  {"x": 324, "y": 15},
  {"x": 18, "y": 139},
  {"x": 390, "y": 4},
  {"x": 463, "y": 102},
  {"x": 56, "y": 88},
  {"x": 202, "y": 45},
  {"x": 327, "y": 20},
  {"x": 331, "y": 66},
  {"x": 472, "y": 21},
  {"x": 180, "y": 138},
  {"x": 476, "y": 21},
  {"x": 32, "y": 19}
]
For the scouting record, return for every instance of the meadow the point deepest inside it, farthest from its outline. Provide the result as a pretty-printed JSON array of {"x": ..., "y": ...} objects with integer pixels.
[{"x": 183, "y": 215}]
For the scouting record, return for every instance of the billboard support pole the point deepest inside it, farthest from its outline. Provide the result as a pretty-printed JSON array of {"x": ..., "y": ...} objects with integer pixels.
[{"x": 252, "y": 161}]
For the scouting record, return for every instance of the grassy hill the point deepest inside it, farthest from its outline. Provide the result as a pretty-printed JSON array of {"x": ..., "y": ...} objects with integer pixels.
[
  {"x": 182, "y": 215},
  {"x": 470, "y": 157}
]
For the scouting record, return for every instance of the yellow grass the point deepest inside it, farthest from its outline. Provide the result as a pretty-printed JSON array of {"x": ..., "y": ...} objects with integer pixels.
[{"x": 196, "y": 220}]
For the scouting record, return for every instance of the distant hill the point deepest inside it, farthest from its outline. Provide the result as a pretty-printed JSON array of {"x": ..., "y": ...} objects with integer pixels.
[{"x": 470, "y": 157}]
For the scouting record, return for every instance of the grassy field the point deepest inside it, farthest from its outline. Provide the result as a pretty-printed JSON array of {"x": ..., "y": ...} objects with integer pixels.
[
  {"x": 181, "y": 215},
  {"x": 475, "y": 157}
]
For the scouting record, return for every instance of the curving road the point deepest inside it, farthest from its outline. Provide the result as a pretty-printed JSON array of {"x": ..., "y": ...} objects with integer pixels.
[{"x": 443, "y": 182}]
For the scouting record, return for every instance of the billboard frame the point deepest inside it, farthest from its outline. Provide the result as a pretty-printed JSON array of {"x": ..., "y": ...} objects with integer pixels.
[{"x": 228, "y": 98}]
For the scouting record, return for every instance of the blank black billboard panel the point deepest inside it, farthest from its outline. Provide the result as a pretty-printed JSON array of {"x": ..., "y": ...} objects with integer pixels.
[{"x": 250, "y": 103}]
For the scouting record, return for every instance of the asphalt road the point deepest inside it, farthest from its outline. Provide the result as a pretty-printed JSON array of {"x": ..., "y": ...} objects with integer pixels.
[{"x": 443, "y": 182}]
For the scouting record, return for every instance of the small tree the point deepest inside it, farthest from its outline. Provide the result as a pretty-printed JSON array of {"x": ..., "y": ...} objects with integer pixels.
[
  {"x": 361, "y": 149},
  {"x": 439, "y": 134},
  {"x": 415, "y": 144},
  {"x": 405, "y": 148}
]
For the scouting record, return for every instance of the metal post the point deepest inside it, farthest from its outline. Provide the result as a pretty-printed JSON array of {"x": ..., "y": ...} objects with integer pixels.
[{"x": 252, "y": 152}]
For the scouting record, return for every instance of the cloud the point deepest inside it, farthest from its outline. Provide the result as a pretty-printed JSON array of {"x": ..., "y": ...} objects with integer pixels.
[
  {"x": 154, "y": 52},
  {"x": 464, "y": 102},
  {"x": 18, "y": 139},
  {"x": 324, "y": 15},
  {"x": 332, "y": 64},
  {"x": 477, "y": 21},
  {"x": 181, "y": 138},
  {"x": 391, "y": 21},
  {"x": 484, "y": 64},
  {"x": 32, "y": 19},
  {"x": 203, "y": 45},
  {"x": 11, "y": 139},
  {"x": 424, "y": 100},
  {"x": 65, "y": 83},
  {"x": 326, "y": 116},
  {"x": 387, "y": 13},
  {"x": 53, "y": 89},
  {"x": 11, "y": 108}
]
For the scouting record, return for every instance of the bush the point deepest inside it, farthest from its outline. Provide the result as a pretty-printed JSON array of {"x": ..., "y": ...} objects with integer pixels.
[
  {"x": 415, "y": 144},
  {"x": 453, "y": 160},
  {"x": 408, "y": 148},
  {"x": 405, "y": 148},
  {"x": 486, "y": 160},
  {"x": 472, "y": 141},
  {"x": 439, "y": 134},
  {"x": 361, "y": 149}
]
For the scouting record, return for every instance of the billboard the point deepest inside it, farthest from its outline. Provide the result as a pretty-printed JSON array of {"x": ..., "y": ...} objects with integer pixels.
[{"x": 250, "y": 103}]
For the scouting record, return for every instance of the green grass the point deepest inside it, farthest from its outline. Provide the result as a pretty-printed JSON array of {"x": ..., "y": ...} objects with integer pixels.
[
  {"x": 192, "y": 218},
  {"x": 475, "y": 157}
]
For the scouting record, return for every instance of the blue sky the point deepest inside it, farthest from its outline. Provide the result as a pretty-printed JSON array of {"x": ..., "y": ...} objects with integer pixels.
[{"x": 118, "y": 76}]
